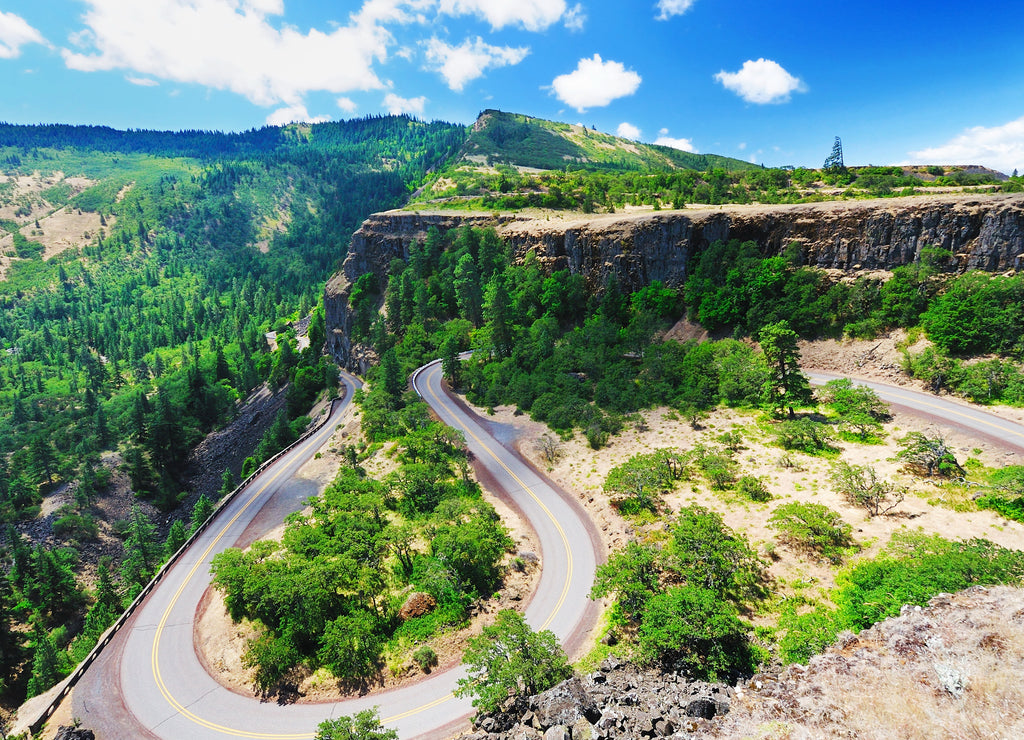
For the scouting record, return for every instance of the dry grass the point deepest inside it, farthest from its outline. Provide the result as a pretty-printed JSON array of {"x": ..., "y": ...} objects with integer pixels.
[{"x": 951, "y": 670}]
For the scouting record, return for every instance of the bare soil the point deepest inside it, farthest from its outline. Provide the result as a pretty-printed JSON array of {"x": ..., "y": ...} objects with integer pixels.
[{"x": 59, "y": 228}]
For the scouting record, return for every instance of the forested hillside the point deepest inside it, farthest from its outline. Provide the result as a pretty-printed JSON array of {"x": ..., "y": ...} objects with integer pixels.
[{"x": 138, "y": 334}]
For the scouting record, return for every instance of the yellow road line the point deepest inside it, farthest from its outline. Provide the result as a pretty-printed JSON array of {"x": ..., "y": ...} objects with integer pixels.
[
  {"x": 163, "y": 622},
  {"x": 162, "y": 686},
  {"x": 558, "y": 527}
]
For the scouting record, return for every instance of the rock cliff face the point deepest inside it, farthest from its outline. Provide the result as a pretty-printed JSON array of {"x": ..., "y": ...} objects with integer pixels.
[{"x": 984, "y": 232}]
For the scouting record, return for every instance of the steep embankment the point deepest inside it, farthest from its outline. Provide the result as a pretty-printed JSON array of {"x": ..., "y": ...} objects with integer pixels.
[{"x": 984, "y": 232}]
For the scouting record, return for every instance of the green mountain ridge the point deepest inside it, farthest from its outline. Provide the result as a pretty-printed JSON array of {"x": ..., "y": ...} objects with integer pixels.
[{"x": 527, "y": 142}]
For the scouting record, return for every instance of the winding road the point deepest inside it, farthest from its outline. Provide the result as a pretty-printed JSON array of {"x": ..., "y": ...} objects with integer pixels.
[
  {"x": 941, "y": 410},
  {"x": 150, "y": 683}
]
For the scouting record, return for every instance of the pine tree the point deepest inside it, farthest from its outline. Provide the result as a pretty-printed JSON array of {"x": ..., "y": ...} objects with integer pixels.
[
  {"x": 142, "y": 551},
  {"x": 176, "y": 537},
  {"x": 227, "y": 483},
  {"x": 498, "y": 312},
  {"x": 11, "y": 648},
  {"x": 786, "y": 386},
  {"x": 56, "y": 592},
  {"x": 201, "y": 511},
  {"x": 45, "y": 663},
  {"x": 467, "y": 289}
]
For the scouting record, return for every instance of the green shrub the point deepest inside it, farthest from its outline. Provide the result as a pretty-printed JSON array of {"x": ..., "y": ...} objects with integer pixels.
[
  {"x": 425, "y": 657},
  {"x": 914, "y": 568},
  {"x": 861, "y": 486},
  {"x": 753, "y": 488},
  {"x": 718, "y": 467},
  {"x": 813, "y": 527},
  {"x": 805, "y": 435},
  {"x": 805, "y": 635},
  {"x": 692, "y": 629}
]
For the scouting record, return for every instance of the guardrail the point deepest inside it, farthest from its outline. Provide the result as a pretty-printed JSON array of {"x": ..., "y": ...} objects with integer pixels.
[{"x": 47, "y": 711}]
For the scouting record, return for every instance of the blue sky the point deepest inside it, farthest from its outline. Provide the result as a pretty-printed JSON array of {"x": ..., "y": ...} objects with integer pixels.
[{"x": 770, "y": 81}]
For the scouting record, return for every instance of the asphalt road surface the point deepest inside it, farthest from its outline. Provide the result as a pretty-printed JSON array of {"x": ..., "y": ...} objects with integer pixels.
[
  {"x": 150, "y": 683},
  {"x": 947, "y": 412}
]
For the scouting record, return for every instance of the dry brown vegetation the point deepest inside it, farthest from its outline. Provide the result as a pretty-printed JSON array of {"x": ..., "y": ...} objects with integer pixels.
[
  {"x": 56, "y": 228},
  {"x": 950, "y": 670}
]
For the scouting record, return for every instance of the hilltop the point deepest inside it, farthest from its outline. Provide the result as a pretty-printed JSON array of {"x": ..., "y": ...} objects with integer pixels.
[{"x": 529, "y": 143}]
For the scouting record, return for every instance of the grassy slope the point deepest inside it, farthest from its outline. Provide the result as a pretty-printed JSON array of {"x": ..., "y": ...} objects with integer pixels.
[{"x": 524, "y": 141}]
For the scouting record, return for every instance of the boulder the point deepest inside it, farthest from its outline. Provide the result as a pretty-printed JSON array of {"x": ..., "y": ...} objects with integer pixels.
[
  {"x": 564, "y": 704},
  {"x": 417, "y": 605},
  {"x": 74, "y": 733},
  {"x": 702, "y": 707},
  {"x": 583, "y": 730}
]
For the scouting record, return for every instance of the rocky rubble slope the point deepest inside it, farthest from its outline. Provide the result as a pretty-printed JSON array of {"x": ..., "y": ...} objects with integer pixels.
[
  {"x": 984, "y": 232},
  {"x": 953, "y": 669},
  {"x": 616, "y": 701}
]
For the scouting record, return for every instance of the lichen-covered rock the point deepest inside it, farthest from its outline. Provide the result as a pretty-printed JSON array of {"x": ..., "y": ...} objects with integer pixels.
[{"x": 564, "y": 704}]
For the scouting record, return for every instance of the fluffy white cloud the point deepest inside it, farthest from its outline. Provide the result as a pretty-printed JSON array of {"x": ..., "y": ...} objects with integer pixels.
[
  {"x": 347, "y": 104},
  {"x": 685, "y": 144},
  {"x": 397, "y": 105},
  {"x": 231, "y": 45},
  {"x": 533, "y": 15},
  {"x": 575, "y": 18},
  {"x": 293, "y": 114},
  {"x": 669, "y": 8},
  {"x": 142, "y": 81},
  {"x": 15, "y": 32},
  {"x": 595, "y": 83},
  {"x": 469, "y": 60},
  {"x": 998, "y": 147},
  {"x": 628, "y": 131},
  {"x": 763, "y": 81}
]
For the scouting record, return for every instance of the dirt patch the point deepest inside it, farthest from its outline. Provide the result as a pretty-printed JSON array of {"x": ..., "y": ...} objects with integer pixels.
[
  {"x": 57, "y": 228},
  {"x": 789, "y": 476}
]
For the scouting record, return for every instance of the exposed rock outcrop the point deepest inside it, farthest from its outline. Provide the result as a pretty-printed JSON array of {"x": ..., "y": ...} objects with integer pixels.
[
  {"x": 950, "y": 669},
  {"x": 617, "y": 701},
  {"x": 984, "y": 232}
]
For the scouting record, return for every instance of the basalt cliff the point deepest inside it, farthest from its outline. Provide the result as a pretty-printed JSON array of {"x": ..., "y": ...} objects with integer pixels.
[{"x": 983, "y": 232}]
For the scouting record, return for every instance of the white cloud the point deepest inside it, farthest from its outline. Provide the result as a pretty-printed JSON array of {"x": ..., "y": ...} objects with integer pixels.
[
  {"x": 15, "y": 32},
  {"x": 397, "y": 105},
  {"x": 460, "y": 64},
  {"x": 628, "y": 131},
  {"x": 575, "y": 18},
  {"x": 763, "y": 81},
  {"x": 347, "y": 104},
  {"x": 684, "y": 144},
  {"x": 670, "y": 8},
  {"x": 595, "y": 83},
  {"x": 533, "y": 15},
  {"x": 231, "y": 45},
  {"x": 741, "y": 146},
  {"x": 998, "y": 147},
  {"x": 293, "y": 114},
  {"x": 142, "y": 81}
]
